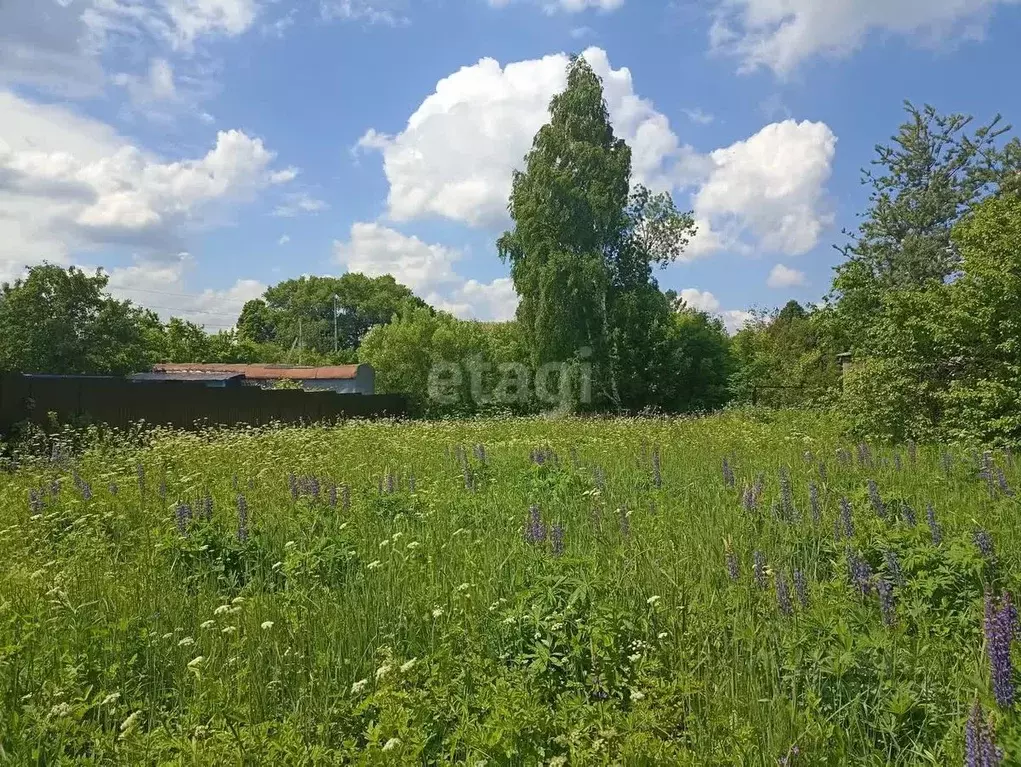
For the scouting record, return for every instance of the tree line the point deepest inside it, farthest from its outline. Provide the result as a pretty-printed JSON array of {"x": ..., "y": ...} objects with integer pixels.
[{"x": 925, "y": 302}]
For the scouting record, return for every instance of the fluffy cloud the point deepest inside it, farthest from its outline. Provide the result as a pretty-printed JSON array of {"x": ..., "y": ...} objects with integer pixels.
[
  {"x": 385, "y": 12},
  {"x": 568, "y": 6},
  {"x": 427, "y": 269},
  {"x": 704, "y": 301},
  {"x": 771, "y": 185},
  {"x": 76, "y": 185},
  {"x": 159, "y": 283},
  {"x": 780, "y": 34},
  {"x": 296, "y": 203},
  {"x": 781, "y": 276},
  {"x": 455, "y": 157},
  {"x": 58, "y": 45}
]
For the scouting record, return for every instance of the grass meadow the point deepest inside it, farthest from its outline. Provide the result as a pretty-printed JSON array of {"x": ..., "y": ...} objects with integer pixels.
[{"x": 748, "y": 588}]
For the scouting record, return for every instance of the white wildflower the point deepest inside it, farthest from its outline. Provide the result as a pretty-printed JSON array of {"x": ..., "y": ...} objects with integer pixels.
[
  {"x": 391, "y": 744},
  {"x": 207, "y": 624},
  {"x": 397, "y": 535},
  {"x": 221, "y": 610},
  {"x": 129, "y": 724},
  {"x": 196, "y": 661},
  {"x": 290, "y": 545},
  {"x": 382, "y": 671},
  {"x": 634, "y": 658},
  {"x": 373, "y": 565},
  {"x": 637, "y": 695},
  {"x": 437, "y": 612},
  {"x": 237, "y": 600},
  {"x": 414, "y": 545},
  {"x": 61, "y": 709},
  {"x": 384, "y": 543},
  {"x": 407, "y": 665},
  {"x": 358, "y": 686},
  {"x": 653, "y": 599},
  {"x": 277, "y": 565},
  {"x": 186, "y": 642},
  {"x": 228, "y": 629},
  {"x": 168, "y": 635},
  {"x": 113, "y": 697},
  {"x": 662, "y": 635}
]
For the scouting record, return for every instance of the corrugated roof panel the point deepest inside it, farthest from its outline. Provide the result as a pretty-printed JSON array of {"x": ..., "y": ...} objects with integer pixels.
[{"x": 263, "y": 371}]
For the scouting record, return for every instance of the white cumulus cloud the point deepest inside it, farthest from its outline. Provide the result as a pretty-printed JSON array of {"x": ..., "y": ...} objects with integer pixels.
[
  {"x": 781, "y": 276},
  {"x": 69, "y": 184},
  {"x": 704, "y": 301},
  {"x": 781, "y": 34},
  {"x": 455, "y": 157},
  {"x": 567, "y": 6},
  {"x": 428, "y": 269}
]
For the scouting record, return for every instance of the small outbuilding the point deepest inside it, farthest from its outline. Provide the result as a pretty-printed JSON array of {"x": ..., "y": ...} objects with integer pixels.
[{"x": 343, "y": 379}]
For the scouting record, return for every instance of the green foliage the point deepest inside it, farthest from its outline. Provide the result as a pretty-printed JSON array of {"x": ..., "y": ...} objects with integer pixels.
[
  {"x": 784, "y": 358},
  {"x": 58, "y": 320},
  {"x": 361, "y": 303},
  {"x": 419, "y": 625},
  {"x": 582, "y": 250}
]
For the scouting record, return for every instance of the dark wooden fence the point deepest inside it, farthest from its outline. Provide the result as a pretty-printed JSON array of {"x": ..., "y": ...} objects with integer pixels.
[{"x": 119, "y": 402}]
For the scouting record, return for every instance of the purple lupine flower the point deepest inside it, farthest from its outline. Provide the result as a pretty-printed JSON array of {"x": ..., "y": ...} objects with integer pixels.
[
  {"x": 897, "y": 465},
  {"x": 1001, "y": 483},
  {"x": 876, "y": 499},
  {"x": 759, "y": 569},
  {"x": 908, "y": 514},
  {"x": 657, "y": 475},
  {"x": 600, "y": 477},
  {"x": 822, "y": 471},
  {"x": 845, "y": 517},
  {"x": 893, "y": 567},
  {"x": 837, "y": 530},
  {"x": 748, "y": 499},
  {"x": 411, "y": 483},
  {"x": 864, "y": 455},
  {"x": 843, "y": 456},
  {"x": 86, "y": 491},
  {"x": 242, "y": 518},
  {"x": 813, "y": 502},
  {"x": 973, "y": 732},
  {"x": 557, "y": 540},
  {"x": 162, "y": 490},
  {"x": 947, "y": 461},
  {"x": 783, "y": 595},
  {"x": 733, "y": 571},
  {"x": 35, "y": 501},
  {"x": 331, "y": 494},
  {"x": 728, "y": 473},
  {"x": 55, "y": 488},
  {"x": 535, "y": 530},
  {"x": 859, "y": 572},
  {"x": 1000, "y": 626},
  {"x": 986, "y": 472},
  {"x": 114, "y": 489},
  {"x": 934, "y": 528},
  {"x": 788, "y": 759},
  {"x": 292, "y": 485},
  {"x": 886, "y": 604},
  {"x": 912, "y": 451},
  {"x": 391, "y": 483},
  {"x": 801, "y": 588},
  {"x": 345, "y": 497},
  {"x": 984, "y": 542},
  {"x": 183, "y": 514},
  {"x": 809, "y": 457},
  {"x": 234, "y": 482},
  {"x": 480, "y": 453},
  {"x": 980, "y": 749},
  {"x": 207, "y": 507},
  {"x": 313, "y": 488}
]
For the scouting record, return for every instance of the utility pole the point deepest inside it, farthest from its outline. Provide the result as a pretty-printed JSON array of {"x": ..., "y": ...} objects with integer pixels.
[{"x": 336, "y": 311}]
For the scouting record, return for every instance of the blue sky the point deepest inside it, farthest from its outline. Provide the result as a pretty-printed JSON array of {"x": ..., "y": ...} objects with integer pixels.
[{"x": 200, "y": 150}]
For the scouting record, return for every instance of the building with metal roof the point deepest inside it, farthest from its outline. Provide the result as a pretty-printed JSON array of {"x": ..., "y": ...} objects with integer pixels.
[
  {"x": 216, "y": 379},
  {"x": 344, "y": 379}
]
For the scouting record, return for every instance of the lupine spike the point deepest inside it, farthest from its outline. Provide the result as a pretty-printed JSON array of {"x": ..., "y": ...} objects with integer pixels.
[
  {"x": 876, "y": 499},
  {"x": 783, "y": 595},
  {"x": 1000, "y": 627},
  {"x": 909, "y": 515},
  {"x": 886, "y": 604},
  {"x": 813, "y": 502},
  {"x": 801, "y": 588},
  {"x": 759, "y": 569},
  {"x": 934, "y": 528},
  {"x": 557, "y": 540},
  {"x": 845, "y": 518},
  {"x": 242, "y": 518}
]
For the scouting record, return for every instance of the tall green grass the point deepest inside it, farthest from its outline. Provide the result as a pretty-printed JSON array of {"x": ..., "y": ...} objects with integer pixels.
[{"x": 424, "y": 627}]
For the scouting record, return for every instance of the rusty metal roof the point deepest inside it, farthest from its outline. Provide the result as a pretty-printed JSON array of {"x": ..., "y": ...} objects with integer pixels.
[{"x": 263, "y": 372}]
